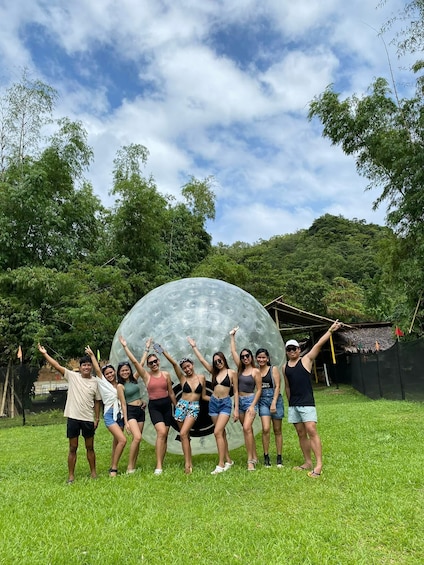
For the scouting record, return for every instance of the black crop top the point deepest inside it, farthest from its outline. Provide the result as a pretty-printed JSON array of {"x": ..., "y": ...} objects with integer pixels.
[
  {"x": 187, "y": 388},
  {"x": 225, "y": 381}
]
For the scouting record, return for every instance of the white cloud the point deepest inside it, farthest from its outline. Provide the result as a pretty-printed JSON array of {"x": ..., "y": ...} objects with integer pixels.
[{"x": 216, "y": 88}]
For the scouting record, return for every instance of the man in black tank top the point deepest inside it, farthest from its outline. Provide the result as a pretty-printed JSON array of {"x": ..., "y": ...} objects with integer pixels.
[{"x": 302, "y": 412}]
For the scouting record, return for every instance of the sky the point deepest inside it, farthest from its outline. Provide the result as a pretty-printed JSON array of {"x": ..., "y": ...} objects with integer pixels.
[{"x": 212, "y": 88}]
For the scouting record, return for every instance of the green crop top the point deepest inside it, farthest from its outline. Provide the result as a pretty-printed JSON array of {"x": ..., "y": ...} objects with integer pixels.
[{"x": 131, "y": 392}]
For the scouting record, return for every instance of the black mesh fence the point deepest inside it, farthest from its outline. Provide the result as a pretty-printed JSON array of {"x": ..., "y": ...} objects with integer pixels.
[{"x": 396, "y": 373}]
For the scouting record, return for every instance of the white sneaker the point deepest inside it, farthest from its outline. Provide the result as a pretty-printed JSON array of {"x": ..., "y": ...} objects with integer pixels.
[
  {"x": 218, "y": 470},
  {"x": 158, "y": 472},
  {"x": 228, "y": 465}
]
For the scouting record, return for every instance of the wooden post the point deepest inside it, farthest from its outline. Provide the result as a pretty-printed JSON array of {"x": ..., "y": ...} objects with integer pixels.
[{"x": 6, "y": 384}]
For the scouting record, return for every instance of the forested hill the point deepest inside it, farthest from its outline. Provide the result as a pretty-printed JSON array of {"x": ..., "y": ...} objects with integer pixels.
[{"x": 334, "y": 268}]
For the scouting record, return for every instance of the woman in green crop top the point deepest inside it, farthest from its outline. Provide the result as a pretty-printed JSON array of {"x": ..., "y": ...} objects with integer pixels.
[{"x": 132, "y": 405}]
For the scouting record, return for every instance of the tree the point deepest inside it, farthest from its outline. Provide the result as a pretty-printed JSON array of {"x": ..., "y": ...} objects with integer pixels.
[
  {"x": 385, "y": 135},
  {"x": 139, "y": 216},
  {"x": 48, "y": 213}
]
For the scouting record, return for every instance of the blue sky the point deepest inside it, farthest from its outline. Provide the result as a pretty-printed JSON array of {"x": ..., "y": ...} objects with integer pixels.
[{"x": 211, "y": 87}]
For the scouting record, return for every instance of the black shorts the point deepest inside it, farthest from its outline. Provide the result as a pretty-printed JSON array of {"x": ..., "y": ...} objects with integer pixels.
[
  {"x": 135, "y": 413},
  {"x": 75, "y": 427},
  {"x": 160, "y": 410}
]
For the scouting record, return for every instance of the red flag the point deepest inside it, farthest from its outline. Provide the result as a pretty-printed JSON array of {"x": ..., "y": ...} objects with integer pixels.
[{"x": 398, "y": 332}]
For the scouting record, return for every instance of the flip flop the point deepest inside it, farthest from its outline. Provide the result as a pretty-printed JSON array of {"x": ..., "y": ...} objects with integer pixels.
[
  {"x": 314, "y": 475},
  {"x": 301, "y": 468}
]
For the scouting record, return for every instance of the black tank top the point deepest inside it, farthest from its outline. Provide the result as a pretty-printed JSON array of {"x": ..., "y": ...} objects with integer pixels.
[{"x": 301, "y": 393}]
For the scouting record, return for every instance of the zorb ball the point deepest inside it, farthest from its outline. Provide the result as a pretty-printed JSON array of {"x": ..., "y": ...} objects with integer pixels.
[{"x": 206, "y": 310}]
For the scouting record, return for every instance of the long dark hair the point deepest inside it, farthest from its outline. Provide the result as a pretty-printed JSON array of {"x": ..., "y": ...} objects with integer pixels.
[
  {"x": 242, "y": 365},
  {"x": 131, "y": 379},
  {"x": 215, "y": 369}
]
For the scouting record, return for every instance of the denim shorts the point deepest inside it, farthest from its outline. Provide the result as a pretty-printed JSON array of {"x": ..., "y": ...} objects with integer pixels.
[
  {"x": 264, "y": 404},
  {"x": 299, "y": 414},
  {"x": 109, "y": 421},
  {"x": 186, "y": 409},
  {"x": 219, "y": 406},
  {"x": 245, "y": 402}
]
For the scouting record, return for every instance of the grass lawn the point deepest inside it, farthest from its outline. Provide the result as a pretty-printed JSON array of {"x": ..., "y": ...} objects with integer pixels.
[{"x": 367, "y": 507}]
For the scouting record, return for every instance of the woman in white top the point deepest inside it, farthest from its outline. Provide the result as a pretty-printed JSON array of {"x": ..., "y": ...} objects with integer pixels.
[{"x": 107, "y": 385}]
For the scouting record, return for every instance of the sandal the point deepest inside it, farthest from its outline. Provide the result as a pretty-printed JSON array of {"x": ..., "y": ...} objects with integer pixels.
[
  {"x": 314, "y": 475},
  {"x": 253, "y": 463},
  {"x": 113, "y": 472}
]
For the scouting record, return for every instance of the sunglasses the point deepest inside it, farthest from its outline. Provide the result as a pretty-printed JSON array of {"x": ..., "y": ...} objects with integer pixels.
[
  {"x": 291, "y": 348},
  {"x": 245, "y": 356},
  {"x": 218, "y": 361},
  {"x": 154, "y": 362}
]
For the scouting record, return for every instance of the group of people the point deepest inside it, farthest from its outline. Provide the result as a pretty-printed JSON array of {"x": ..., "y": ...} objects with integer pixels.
[{"x": 255, "y": 387}]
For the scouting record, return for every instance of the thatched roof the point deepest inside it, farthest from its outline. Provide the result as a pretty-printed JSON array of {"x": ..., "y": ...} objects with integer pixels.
[{"x": 366, "y": 337}]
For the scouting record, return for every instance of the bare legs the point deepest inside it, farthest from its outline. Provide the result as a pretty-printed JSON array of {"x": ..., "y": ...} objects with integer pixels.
[
  {"x": 185, "y": 428},
  {"x": 309, "y": 440},
  {"x": 161, "y": 443},
  {"x": 220, "y": 422},
  {"x": 246, "y": 420},
  {"x": 72, "y": 457},
  {"x": 136, "y": 431},
  {"x": 118, "y": 445},
  {"x": 266, "y": 434}
]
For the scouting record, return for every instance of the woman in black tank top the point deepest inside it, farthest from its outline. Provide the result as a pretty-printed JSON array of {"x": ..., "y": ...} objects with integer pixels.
[{"x": 250, "y": 387}]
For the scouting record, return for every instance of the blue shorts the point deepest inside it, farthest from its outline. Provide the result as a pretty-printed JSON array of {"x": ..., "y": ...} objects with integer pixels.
[
  {"x": 299, "y": 414},
  {"x": 245, "y": 402},
  {"x": 186, "y": 409},
  {"x": 264, "y": 404},
  {"x": 219, "y": 406},
  {"x": 109, "y": 421}
]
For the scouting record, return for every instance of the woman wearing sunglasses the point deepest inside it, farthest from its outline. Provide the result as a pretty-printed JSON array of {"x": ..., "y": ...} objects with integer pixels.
[
  {"x": 220, "y": 404},
  {"x": 161, "y": 398},
  {"x": 188, "y": 407},
  {"x": 112, "y": 414},
  {"x": 249, "y": 389}
]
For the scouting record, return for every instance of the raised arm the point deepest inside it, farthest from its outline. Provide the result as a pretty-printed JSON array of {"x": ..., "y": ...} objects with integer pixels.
[
  {"x": 139, "y": 368},
  {"x": 234, "y": 353},
  {"x": 310, "y": 357},
  {"x": 203, "y": 361},
  {"x": 94, "y": 361},
  {"x": 177, "y": 369},
  {"x": 50, "y": 360}
]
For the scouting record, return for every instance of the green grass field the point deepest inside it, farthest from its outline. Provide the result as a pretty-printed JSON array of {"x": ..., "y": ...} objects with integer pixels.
[{"x": 367, "y": 508}]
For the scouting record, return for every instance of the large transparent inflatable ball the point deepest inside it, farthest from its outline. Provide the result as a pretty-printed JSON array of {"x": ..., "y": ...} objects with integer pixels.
[{"x": 206, "y": 310}]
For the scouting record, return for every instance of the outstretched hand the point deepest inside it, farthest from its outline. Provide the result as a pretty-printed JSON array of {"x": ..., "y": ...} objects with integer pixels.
[
  {"x": 89, "y": 351},
  {"x": 336, "y": 326},
  {"x": 123, "y": 341},
  {"x": 41, "y": 349},
  {"x": 191, "y": 341},
  {"x": 234, "y": 330}
]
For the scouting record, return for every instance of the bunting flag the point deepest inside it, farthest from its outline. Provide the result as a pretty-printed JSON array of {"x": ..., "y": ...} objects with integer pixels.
[
  {"x": 399, "y": 332},
  {"x": 19, "y": 354}
]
